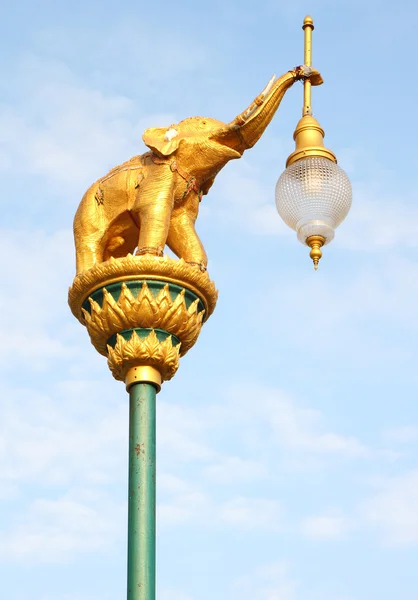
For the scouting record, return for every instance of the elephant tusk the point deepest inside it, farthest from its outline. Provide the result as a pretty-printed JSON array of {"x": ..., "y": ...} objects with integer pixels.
[
  {"x": 250, "y": 111},
  {"x": 268, "y": 87},
  {"x": 240, "y": 120},
  {"x": 170, "y": 134}
]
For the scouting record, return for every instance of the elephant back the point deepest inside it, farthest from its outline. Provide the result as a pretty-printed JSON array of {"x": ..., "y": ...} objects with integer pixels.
[{"x": 134, "y": 163}]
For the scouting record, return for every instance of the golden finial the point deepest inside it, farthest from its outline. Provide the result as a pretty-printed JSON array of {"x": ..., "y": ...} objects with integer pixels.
[
  {"x": 308, "y": 22},
  {"x": 315, "y": 242}
]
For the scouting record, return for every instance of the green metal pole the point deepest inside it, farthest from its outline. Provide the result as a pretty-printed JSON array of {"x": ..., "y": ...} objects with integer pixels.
[{"x": 141, "y": 502}]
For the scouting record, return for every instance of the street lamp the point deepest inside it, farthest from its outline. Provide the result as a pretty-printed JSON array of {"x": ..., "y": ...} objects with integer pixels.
[
  {"x": 313, "y": 194},
  {"x": 144, "y": 310}
]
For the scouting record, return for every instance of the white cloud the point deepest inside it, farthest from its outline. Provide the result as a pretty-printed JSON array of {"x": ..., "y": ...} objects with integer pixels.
[
  {"x": 171, "y": 594},
  {"x": 402, "y": 435},
  {"x": 76, "y": 596},
  {"x": 273, "y": 581},
  {"x": 183, "y": 502},
  {"x": 243, "y": 202},
  {"x": 171, "y": 484},
  {"x": 73, "y": 597},
  {"x": 181, "y": 433},
  {"x": 233, "y": 469},
  {"x": 379, "y": 220},
  {"x": 174, "y": 58},
  {"x": 280, "y": 581},
  {"x": 301, "y": 428},
  {"x": 8, "y": 490},
  {"x": 393, "y": 509},
  {"x": 34, "y": 319},
  {"x": 93, "y": 126},
  {"x": 362, "y": 309},
  {"x": 332, "y": 442},
  {"x": 68, "y": 132},
  {"x": 58, "y": 530},
  {"x": 252, "y": 513},
  {"x": 43, "y": 441},
  {"x": 188, "y": 507},
  {"x": 282, "y": 421},
  {"x": 324, "y": 527}
]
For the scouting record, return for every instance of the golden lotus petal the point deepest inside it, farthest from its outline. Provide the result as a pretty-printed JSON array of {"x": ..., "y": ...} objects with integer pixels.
[
  {"x": 140, "y": 267},
  {"x": 145, "y": 309},
  {"x": 163, "y": 356},
  {"x": 163, "y": 298},
  {"x": 177, "y": 313},
  {"x": 194, "y": 307},
  {"x": 126, "y": 299},
  {"x": 190, "y": 332},
  {"x": 112, "y": 312}
]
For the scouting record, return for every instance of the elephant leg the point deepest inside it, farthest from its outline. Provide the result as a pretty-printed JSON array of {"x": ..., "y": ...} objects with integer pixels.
[
  {"x": 121, "y": 237},
  {"x": 153, "y": 230},
  {"x": 152, "y": 209},
  {"x": 184, "y": 242},
  {"x": 88, "y": 254},
  {"x": 89, "y": 232}
]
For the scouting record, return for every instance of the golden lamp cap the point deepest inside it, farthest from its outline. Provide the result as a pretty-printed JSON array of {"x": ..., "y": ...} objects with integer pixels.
[
  {"x": 308, "y": 22},
  {"x": 309, "y": 138}
]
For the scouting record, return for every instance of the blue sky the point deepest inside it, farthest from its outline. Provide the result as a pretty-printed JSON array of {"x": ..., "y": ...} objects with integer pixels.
[{"x": 288, "y": 440}]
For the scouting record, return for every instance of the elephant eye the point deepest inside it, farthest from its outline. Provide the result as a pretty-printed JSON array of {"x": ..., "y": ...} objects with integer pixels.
[{"x": 203, "y": 122}]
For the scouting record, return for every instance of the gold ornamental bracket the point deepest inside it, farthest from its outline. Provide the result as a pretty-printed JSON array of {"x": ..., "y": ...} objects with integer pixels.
[{"x": 309, "y": 135}]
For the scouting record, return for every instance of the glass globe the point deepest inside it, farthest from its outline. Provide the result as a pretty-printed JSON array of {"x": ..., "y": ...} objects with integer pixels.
[{"x": 313, "y": 196}]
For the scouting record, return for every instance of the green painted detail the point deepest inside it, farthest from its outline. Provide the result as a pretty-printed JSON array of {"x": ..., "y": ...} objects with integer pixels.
[
  {"x": 141, "y": 499},
  {"x": 143, "y": 332},
  {"x": 136, "y": 286}
]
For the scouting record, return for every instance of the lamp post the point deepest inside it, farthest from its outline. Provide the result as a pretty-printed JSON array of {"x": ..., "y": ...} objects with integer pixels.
[
  {"x": 313, "y": 194},
  {"x": 143, "y": 311}
]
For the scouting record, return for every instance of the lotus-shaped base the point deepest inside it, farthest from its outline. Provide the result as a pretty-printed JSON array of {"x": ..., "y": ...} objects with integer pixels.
[{"x": 143, "y": 310}]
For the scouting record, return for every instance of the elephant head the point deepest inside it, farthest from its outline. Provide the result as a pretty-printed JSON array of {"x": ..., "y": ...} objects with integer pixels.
[
  {"x": 203, "y": 146},
  {"x": 193, "y": 144}
]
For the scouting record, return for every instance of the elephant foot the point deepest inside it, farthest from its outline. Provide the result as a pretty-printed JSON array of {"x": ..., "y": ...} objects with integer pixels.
[{"x": 154, "y": 250}]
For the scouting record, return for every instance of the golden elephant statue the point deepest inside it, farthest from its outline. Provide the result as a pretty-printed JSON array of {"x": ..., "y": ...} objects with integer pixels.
[{"x": 153, "y": 199}]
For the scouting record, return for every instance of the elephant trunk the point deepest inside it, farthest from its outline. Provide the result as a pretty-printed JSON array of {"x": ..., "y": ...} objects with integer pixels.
[{"x": 251, "y": 124}]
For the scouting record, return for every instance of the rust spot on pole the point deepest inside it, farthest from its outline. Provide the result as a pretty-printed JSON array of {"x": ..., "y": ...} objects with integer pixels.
[{"x": 140, "y": 447}]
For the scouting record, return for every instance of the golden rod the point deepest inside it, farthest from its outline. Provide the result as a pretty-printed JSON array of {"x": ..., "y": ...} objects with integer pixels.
[{"x": 307, "y": 27}]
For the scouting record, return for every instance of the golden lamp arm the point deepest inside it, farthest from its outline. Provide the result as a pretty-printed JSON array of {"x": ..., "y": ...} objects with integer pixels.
[{"x": 308, "y": 27}]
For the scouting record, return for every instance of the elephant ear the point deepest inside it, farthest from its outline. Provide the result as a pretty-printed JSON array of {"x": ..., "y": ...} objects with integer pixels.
[{"x": 158, "y": 141}]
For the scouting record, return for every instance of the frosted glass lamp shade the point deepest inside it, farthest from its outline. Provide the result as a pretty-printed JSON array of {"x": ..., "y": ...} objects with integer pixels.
[{"x": 313, "y": 196}]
